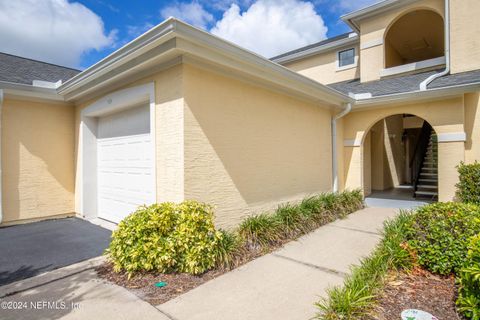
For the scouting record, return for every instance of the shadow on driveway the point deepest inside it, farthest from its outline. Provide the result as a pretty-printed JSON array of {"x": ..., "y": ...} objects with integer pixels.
[{"x": 30, "y": 249}]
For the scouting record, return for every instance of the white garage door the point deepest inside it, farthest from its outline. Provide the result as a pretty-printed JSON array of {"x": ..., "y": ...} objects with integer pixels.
[{"x": 125, "y": 165}]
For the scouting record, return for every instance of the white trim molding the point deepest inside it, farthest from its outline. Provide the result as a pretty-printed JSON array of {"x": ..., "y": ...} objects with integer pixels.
[
  {"x": 348, "y": 66},
  {"x": 352, "y": 142},
  {"x": 413, "y": 66},
  {"x": 114, "y": 102},
  {"x": 452, "y": 137},
  {"x": 371, "y": 44}
]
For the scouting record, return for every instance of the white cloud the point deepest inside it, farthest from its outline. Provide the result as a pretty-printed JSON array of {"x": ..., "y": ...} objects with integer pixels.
[
  {"x": 271, "y": 27},
  {"x": 192, "y": 13},
  {"x": 56, "y": 31}
]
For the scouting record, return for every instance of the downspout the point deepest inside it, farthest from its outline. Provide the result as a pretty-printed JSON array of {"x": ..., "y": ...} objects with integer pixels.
[
  {"x": 347, "y": 109},
  {"x": 1, "y": 104},
  {"x": 426, "y": 82}
]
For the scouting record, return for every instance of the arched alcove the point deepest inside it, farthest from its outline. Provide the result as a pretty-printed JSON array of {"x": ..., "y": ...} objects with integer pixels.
[{"x": 416, "y": 36}]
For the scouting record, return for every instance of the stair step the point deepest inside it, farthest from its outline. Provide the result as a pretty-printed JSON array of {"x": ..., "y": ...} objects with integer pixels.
[
  {"x": 427, "y": 186},
  {"x": 428, "y": 180},
  {"x": 429, "y": 168},
  {"x": 426, "y": 193},
  {"x": 429, "y": 174}
]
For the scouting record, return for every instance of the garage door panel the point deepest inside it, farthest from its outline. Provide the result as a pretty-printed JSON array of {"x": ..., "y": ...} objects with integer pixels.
[{"x": 125, "y": 166}]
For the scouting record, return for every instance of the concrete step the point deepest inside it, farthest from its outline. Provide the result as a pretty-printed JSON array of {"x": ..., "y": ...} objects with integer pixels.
[
  {"x": 429, "y": 174},
  {"x": 428, "y": 180},
  {"x": 426, "y": 193},
  {"x": 430, "y": 168},
  {"x": 427, "y": 186}
]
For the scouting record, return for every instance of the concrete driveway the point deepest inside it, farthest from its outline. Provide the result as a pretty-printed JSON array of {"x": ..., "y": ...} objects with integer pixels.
[{"x": 30, "y": 249}]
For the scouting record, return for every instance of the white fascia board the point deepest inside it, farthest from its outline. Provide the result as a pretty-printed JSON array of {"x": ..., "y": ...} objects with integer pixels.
[
  {"x": 418, "y": 95},
  {"x": 260, "y": 66},
  {"x": 23, "y": 91},
  {"x": 173, "y": 28},
  {"x": 352, "y": 17},
  {"x": 313, "y": 51},
  {"x": 151, "y": 38}
]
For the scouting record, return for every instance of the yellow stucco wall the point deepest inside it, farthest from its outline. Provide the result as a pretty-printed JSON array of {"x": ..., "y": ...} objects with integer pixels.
[
  {"x": 472, "y": 127},
  {"x": 248, "y": 149},
  {"x": 374, "y": 28},
  {"x": 323, "y": 67},
  {"x": 446, "y": 116},
  {"x": 465, "y": 41},
  {"x": 37, "y": 160},
  {"x": 169, "y": 132}
]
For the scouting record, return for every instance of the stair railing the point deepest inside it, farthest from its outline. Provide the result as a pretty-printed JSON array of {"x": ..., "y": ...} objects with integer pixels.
[{"x": 419, "y": 153}]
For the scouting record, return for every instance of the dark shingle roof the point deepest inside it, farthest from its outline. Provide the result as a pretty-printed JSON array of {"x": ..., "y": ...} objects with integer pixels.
[
  {"x": 407, "y": 83},
  {"x": 22, "y": 70},
  {"x": 314, "y": 45}
]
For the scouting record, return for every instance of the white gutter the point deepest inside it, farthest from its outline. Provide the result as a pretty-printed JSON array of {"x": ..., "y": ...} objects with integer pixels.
[
  {"x": 426, "y": 82},
  {"x": 347, "y": 109},
  {"x": 1, "y": 104}
]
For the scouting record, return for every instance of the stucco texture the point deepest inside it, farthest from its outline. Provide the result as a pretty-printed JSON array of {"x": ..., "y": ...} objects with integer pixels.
[
  {"x": 248, "y": 149},
  {"x": 322, "y": 67},
  {"x": 37, "y": 160}
]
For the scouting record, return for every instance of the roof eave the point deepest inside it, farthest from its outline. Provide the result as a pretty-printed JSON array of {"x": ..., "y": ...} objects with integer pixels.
[
  {"x": 418, "y": 95},
  {"x": 376, "y": 8},
  {"x": 17, "y": 90},
  {"x": 327, "y": 47},
  {"x": 175, "y": 29}
]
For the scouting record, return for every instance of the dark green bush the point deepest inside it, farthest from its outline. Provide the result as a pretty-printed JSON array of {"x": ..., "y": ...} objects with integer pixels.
[
  {"x": 468, "y": 188},
  {"x": 166, "y": 237},
  {"x": 468, "y": 280},
  {"x": 439, "y": 235}
]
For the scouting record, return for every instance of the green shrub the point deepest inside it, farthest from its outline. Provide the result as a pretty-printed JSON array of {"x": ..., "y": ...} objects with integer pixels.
[
  {"x": 166, "y": 237},
  {"x": 359, "y": 290},
  {"x": 468, "y": 188},
  {"x": 230, "y": 248},
  {"x": 290, "y": 221},
  {"x": 263, "y": 230},
  {"x": 439, "y": 235},
  {"x": 468, "y": 280}
]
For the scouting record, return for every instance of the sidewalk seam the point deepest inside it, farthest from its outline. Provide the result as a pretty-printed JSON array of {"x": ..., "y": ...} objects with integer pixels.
[
  {"x": 166, "y": 314},
  {"x": 324, "y": 269},
  {"x": 353, "y": 229}
]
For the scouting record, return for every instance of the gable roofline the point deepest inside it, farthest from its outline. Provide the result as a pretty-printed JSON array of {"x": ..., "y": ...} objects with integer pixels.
[
  {"x": 374, "y": 9},
  {"x": 174, "y": 39},
  {"x": 349, "y": 38}
]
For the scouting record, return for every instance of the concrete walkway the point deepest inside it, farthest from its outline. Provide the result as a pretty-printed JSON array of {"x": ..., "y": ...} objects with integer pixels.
[
  {"x": 286, "y": 283},
  {"x": 281, "y": 285}
]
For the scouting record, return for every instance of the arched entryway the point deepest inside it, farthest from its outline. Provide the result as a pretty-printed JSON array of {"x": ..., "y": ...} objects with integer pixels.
[{"x": 400, "y": 159}]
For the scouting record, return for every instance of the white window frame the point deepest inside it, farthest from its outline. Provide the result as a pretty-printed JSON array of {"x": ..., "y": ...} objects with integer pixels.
[
  {"x": 348, "y": 66},
  {"x": 116, "y": 101}
]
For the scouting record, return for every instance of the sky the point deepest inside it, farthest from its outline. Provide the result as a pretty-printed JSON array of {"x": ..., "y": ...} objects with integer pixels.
[{"x": 79, "y": 33}]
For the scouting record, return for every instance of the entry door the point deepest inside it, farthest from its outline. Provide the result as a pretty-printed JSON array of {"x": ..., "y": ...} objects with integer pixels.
[{"x": 124, "y": 162}]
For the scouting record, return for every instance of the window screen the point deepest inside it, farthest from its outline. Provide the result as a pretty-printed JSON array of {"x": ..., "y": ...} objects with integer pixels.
[{"x": 346, "y": 57}]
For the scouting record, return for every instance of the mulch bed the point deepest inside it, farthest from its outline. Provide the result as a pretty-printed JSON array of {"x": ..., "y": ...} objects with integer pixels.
[
  {"x": 143, "y": 284},
  {"x": 417, "y": 290}
]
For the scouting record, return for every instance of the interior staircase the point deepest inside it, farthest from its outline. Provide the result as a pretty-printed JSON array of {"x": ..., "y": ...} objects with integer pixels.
[{"x": 426, "y": 185}]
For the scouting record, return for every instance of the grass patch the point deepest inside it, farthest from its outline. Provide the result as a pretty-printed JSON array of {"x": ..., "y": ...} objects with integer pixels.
[
  {"x": 265, "y": 232},
  {"x": 358, "y": 293}
]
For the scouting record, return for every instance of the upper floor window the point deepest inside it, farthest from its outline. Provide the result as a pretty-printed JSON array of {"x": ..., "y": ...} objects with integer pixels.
[
  {"x": 416, "y": 36},
  {"x": 346, "y": 58}
]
